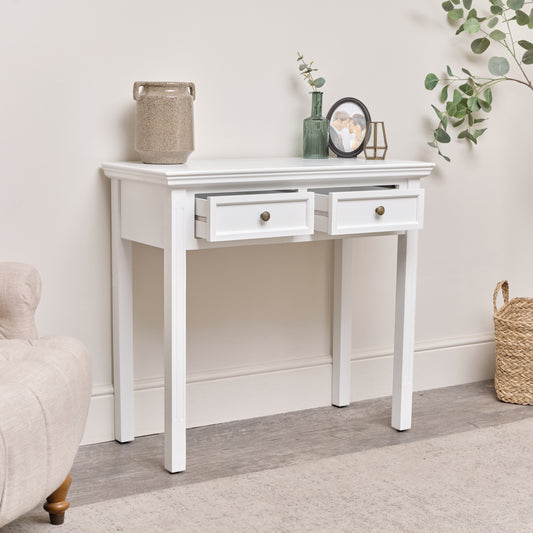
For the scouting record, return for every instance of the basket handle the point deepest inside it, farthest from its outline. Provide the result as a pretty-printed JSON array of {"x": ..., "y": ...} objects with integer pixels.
[{"x": 504, "y": 287}]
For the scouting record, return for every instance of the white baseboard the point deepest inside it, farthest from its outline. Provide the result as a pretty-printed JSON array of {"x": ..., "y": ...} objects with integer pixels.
[{"x": 297, "y": 385}]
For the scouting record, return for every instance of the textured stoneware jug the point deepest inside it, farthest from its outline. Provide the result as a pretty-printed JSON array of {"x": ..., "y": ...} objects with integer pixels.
[{"x": 164, "y": 129}]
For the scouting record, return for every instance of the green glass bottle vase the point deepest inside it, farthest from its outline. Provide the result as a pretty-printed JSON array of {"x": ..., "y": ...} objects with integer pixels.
[{"x": 316, "y": 130}]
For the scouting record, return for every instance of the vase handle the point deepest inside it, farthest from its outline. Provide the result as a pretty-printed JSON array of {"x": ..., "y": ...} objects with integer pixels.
[
  {"x": 192, "y": 89},
  {"x": 138, "y": 92},
  {"x": 504, "y": 287}
]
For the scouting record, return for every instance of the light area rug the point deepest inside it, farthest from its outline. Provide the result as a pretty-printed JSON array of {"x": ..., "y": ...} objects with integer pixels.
[{"x": 477, "y": 481}]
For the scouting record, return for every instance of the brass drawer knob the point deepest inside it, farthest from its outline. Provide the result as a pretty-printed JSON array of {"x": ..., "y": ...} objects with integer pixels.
[
  {"x": 380, "y": 210},
  {"x": 265, "y": 216}
]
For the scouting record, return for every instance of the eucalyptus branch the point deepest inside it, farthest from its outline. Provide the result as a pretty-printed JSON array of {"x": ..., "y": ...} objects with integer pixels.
[
  {"x": 527, "y": 84},
  {"x": 466, "y": 99},
  {"x": 513, "y": 53},
  {"x": 510, "y": 33},
  {"x": 306, "y": 70}
]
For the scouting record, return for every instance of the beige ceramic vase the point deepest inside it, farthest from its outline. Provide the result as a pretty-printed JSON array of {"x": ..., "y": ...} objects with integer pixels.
[{"x": 164, "y": 129}]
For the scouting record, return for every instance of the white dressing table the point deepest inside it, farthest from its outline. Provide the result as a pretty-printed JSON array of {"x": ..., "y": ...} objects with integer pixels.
[{"x": 213, "y": 203}]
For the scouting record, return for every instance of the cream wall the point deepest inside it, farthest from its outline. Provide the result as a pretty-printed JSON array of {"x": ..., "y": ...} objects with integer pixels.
[{"x": 260, "y": 317}]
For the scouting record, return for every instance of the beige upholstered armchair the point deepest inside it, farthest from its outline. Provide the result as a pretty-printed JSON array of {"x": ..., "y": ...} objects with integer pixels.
[{"x": 45, "y": 387}]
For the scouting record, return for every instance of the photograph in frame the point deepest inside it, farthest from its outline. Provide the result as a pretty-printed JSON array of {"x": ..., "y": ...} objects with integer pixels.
[{"x": 348, "y": 119}]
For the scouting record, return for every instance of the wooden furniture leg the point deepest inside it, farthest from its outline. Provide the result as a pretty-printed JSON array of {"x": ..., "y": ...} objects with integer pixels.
[
  {"x": 404, "y": 335},
  {"x": 342, "y": 323},
  {"x": 175, "y": 266},
  {"x": 56, "y": 504},
  {"x": 122, "y": 293}
]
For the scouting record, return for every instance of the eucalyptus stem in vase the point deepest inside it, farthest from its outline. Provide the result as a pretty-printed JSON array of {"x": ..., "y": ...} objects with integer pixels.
[
  {"x": 467, "y": 96},
  {"x": 315, "y": 127}
]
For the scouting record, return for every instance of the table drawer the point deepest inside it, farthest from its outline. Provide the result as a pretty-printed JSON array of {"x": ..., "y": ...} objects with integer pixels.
[
  {"x": 254, "y": 215},
  {"x": 368, "y": 210}
]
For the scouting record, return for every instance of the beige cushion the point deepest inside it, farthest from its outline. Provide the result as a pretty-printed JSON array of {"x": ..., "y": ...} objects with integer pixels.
[{"x": 20, "y": 292}]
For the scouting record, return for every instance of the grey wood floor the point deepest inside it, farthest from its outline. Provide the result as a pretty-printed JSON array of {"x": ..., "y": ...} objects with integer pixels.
[{"x": 111, "y": 470}]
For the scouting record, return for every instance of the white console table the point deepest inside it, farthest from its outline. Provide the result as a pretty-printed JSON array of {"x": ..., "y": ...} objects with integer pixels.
[{"x": 208, "y": 204}]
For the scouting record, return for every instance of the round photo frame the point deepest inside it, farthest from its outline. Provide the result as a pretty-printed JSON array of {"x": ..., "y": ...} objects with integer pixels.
[{"x": 348, "y": 119}]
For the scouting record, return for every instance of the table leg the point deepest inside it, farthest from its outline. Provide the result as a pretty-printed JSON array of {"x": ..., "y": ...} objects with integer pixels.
[
  {"x": 342, "y": 323},
  {"x": 175, "y": 331},
  {"x": 402, "y": 385},
  {"x": 122, "y": 323}
]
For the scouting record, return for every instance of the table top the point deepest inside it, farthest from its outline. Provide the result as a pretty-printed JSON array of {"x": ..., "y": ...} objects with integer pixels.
[{"x": 196, "y": 170}]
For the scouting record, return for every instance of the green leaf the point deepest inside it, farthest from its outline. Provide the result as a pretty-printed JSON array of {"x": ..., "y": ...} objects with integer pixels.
[
  {"x": 437, "y": 111},
  {"x": 488, "y": 95},
  {"x": 470, "y": 137},
  {"x": 498, "y": 66},
  {"x": 467, "y": 89},
  {"x": 473, "y": 104},
  {"x": 319, "y": 82},
  {"x": 515, "y": 4},
  {"x": 478, "y": 120},
  {"x": 496, "y": 10},
  {"x": 497, "y": 3},
  {"x": 492, "y": 22},
  {"x": 526, "y": 44},
  {"x": 433, "y": 144},
  {"x": 522, "y": 19},
  {"x": 484, "y": 105},
  {"x": 431, "y": 81},
  {"x": 460, "y": 29},
  {"x": 461, "y": 111},
  {"x": 462, "y": 134},
  {"x": 444, "y": 156},
  {"x": 530, "y": 25},
  {"x": 451, "y": 108},
  {"x": 302, "y": 67},
  {"x": 456, "y": 2},
  {"x": 456, "y": 14},
  {"x": 470, "y": 119},
  {"x": 467, "y": 4},
  {"x": 447, "y": 6},
  {"x": 498, "y": 35},
  {"x": 449, "y": 70},
  {"x": 442, "y": 136},
  {"x": 479, "y": 133},
  {"x": 478, "y": 46},
  {"x": 467, "y": 72},
  {"x": 458, "y": 123},
  {"x": 527, "y": 58},
  {"x": 444, "y": 121},
  {"x": 472, "y": 25},
  {"x": 444, "y": 93},
  {"x": 457, "y": 97}
]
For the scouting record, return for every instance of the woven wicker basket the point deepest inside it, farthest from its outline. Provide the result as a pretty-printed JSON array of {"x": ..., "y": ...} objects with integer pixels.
[{"x": 513, "y": 335}]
